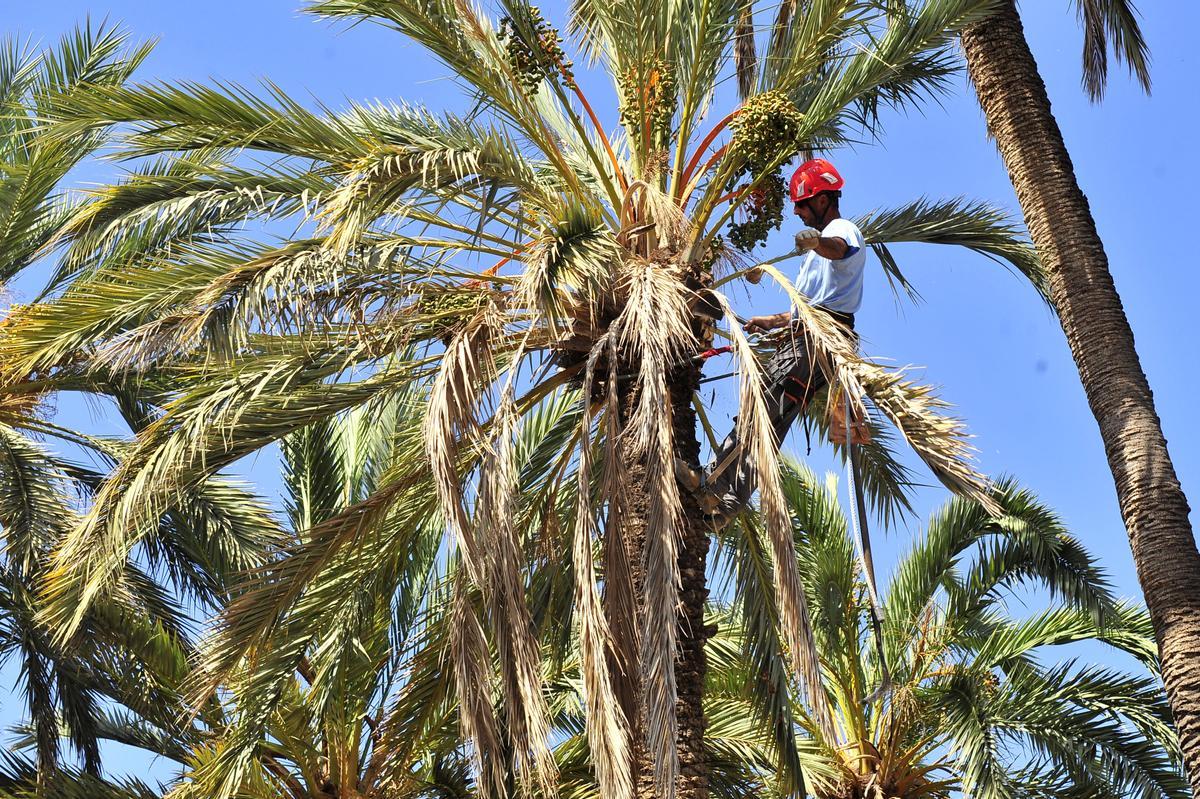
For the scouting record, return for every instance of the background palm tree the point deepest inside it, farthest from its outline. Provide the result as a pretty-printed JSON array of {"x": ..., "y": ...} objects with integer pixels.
[
  {"x": 397, "y": 286},
  {"x": 33, "y": 85},
  {"x": 970, "y": 705},
  {"x": 121, "y": 668},
  {"x": 1153, "y": 506},
  {"x": 64, "y": 687}
]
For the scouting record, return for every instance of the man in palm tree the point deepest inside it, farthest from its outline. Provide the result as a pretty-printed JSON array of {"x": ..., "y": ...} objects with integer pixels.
[{"x": 831, "y": 278}]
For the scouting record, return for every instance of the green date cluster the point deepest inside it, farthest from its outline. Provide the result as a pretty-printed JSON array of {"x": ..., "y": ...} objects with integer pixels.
[
  {"x": 766, "y": 131},
  {"x": 649, "y": 89},
  {"x": 541, "y": 58}
]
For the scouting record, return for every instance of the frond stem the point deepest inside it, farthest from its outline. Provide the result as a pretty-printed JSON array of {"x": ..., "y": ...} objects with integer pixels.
[
  {"x": 612, "y": 156},
  {"x": 686, "y": 177}
]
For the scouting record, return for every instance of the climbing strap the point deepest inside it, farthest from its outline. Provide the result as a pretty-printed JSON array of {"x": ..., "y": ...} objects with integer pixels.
[{"x": 862, "y": 541}]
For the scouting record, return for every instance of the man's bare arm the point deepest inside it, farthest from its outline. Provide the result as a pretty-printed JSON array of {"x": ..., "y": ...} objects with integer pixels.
[
  {"x": 761, "y": 324},
  {"x": 833, "y": 248}
]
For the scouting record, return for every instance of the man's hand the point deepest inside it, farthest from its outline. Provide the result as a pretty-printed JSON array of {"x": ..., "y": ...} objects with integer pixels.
[
  {"x": 807, "y": 239},
  {"x": 761, "y": 324}
]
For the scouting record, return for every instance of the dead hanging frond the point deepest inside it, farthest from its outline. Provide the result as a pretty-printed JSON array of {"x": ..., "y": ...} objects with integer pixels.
[
  {"x": 620, "y": 600},
  {"x": 757, "y": 436},
  {"x": 654, "y": 333},
  {"x": 941, "y": 441},
  {"x": 467, "y": 369},
  {"x": 490, "y": 549},
  {"x": 608, "y": 731},
  {"x": 472, "y": 677},
  {"x": 783, "y": 23},
  {"x": 496, "y": 534}
]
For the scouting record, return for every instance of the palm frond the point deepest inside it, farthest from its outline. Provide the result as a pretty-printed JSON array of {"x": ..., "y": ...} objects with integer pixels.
[
  {"x": 1115, "y": 22},
  {"x": 978, "y": 226},
  {"x": 34, "y": 87}
]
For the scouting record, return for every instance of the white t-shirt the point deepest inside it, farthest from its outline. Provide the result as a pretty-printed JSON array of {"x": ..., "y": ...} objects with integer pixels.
[{"x": 835, "y": 285}]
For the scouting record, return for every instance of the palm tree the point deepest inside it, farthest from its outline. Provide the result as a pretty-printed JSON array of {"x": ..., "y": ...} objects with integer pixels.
[
  {"x": 455, "y": 261},
  {"x": 968, "y": 704},
  {"x": 76, "y": 691},
  {"x": 33, "y": 86},
  {"x": 64, "y": 687},
  {"x": 1017, "y": 109}
]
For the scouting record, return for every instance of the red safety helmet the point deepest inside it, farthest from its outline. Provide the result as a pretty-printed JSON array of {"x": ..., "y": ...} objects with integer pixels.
[{"x": 814, "y": 177}]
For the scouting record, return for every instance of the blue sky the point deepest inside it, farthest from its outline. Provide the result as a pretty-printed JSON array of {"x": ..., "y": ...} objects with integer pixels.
[{"x": 982, "y": 335}]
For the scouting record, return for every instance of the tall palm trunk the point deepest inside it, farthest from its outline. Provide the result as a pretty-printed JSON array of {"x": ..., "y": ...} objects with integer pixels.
[
  {"x": 1014, "y": 101},
  {"x": 690, "y": 662}
]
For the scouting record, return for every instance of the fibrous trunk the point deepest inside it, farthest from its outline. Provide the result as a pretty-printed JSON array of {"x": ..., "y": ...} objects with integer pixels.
[{"x": 1153, "y": 506}]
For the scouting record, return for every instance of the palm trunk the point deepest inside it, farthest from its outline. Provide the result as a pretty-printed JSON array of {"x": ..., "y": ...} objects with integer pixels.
[
  {"x": 1155, "y": 511},
  {"x": 690, "y": 660}
]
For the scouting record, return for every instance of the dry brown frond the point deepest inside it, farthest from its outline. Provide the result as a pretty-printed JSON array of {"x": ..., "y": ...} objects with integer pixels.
[
  {"x": 520, "y": 656},
  {"x": 489, "y": 544},
  {"x": 467, "y": 369},
  {"x": 755, "y": 431},
  {"x": 466, "y": 372},
  {"x": 744, "y": 57},
  {"x": 941, "y": 441},
  {"x": 783, "y": 21},
  {"x": 654, "y": 332},
  {"x": 477, "y": 714},
  {"x": 607, "y": 727},
  {"x": 620, "y": 601}
]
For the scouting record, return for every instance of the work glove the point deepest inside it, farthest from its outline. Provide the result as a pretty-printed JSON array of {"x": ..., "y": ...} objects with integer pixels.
[{"x": 807, "y": 239}]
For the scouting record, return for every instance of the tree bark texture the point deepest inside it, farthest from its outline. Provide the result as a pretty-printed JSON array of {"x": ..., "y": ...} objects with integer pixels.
[
  {"x": 1155, "y": 511},
  {"x": 690, "y": 660}
]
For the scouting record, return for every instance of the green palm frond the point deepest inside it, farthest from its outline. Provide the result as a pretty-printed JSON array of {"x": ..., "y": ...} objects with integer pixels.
[
  {"x": 1112, "y": 22},
  {"x": 269, "y": 398},
  {"x": 19, "y": 779},
  {"x": 33, "y": 88},
  {"x": 191, "y": 200},
  {"x": 979, "y": 227}
]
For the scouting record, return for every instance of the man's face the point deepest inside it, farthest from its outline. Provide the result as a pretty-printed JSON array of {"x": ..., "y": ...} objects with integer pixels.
[{"x": 812, "y": 210}]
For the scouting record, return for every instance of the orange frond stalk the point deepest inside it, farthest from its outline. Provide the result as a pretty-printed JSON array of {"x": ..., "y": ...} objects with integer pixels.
[
  {"x": 612, "y": 157},
  {"x": 704, "y": 145},
  {"x": 731, "y": 195},
  {"x": 494, "y": 268},
  {"x": 707, "y": 166}
]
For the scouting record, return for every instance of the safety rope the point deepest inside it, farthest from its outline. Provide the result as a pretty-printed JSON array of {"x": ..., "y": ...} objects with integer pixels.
[{"x": 862, "y": 541}]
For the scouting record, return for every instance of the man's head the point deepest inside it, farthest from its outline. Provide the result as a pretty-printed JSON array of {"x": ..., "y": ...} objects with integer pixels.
[{"x": 815, "y": 191}]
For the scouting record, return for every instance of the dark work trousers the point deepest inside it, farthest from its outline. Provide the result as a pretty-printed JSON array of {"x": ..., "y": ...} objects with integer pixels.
[{"x": 792, "y": 378}]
